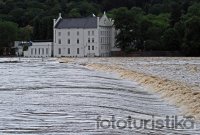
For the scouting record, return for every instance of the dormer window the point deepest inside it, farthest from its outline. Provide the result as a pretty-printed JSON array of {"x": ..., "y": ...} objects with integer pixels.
[{"x": 105, "y": 21}]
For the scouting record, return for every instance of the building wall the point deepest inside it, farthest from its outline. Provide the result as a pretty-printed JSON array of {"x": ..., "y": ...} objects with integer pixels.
[
  {"x": 98, "y": 42},
  {"x": 105, "y": 41},
  {"x": 39, "y": 49},
  {"x": 86, "y": 40},
  {"x": 105, "y": 36}
]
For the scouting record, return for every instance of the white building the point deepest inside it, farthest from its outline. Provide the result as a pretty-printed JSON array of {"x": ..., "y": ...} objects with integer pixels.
[
  {"x": 78, "y": 37},
  {"x": 81, "y": 37},
  {"x": 39, "y": 49}
]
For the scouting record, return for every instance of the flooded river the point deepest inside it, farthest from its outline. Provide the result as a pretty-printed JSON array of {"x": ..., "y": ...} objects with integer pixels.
[{"x": 49, "y": 98}]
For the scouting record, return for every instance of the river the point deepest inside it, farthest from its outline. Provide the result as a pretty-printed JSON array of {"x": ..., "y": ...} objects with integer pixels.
[{"x": 50, "y": 98}]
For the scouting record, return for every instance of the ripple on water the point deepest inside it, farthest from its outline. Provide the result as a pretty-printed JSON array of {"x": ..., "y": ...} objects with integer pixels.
[{"x": 49, "y": 98}]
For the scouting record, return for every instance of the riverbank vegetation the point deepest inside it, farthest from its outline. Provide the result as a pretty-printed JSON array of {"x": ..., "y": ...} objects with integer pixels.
[{"x": 159, "y": 25}]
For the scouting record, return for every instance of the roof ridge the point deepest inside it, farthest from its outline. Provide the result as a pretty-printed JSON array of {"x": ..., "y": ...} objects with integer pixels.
[{"x": 86, "y": 22}]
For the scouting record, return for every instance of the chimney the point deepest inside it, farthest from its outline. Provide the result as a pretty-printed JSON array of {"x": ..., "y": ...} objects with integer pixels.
[
  {"x": 60, "y": 15},
  {"x": 54, "y": 22}
]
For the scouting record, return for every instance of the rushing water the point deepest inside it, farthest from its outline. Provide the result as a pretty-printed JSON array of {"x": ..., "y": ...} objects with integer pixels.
[{"x": 49, "y": 98}]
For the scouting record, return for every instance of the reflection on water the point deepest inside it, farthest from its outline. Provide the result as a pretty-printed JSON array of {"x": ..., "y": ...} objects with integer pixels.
[{"x": 49, "y": 98}]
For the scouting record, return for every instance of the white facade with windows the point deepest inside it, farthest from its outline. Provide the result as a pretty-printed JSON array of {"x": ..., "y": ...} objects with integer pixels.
[
  {"x": 39, "y": 50},
  {"x": 83, "y": 37}
]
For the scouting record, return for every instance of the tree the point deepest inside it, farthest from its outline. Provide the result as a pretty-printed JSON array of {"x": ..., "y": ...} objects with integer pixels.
[
  {"x": 74, "y": 13},
  {"x": 156, "y": 9},
  {"x": 161, "y": 21},
  {"x": 153, "y": 45},
  {"x": 17, "y": 15},
  {"x": 194, "y": 10},
  {"x": 24, "y": 34},
  {"x": 175, "y": 14},
  {"x": 128, "y": 26},
  {"x": 8, "y": 35},
  {"x": 170, "y": 40},
  {"x": 191, "y": 45},
  {"x": 43, "y": 28}
]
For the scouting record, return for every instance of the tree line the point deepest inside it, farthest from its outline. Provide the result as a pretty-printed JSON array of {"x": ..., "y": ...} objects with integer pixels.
[{"x": 163, "y": 25}]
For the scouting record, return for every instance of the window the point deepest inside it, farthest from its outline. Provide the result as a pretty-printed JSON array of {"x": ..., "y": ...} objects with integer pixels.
[
  {"x": 35, "y": 51},
  {"x": 68, "y": 41},
  {"x": 88, "y": 47},
  {"x": 77, "y": 33},
  {"x": 47, "y": 51},
  {"x": 68, "y": 33},
  {"x": 42, "y": 51},
  {"x": 59, "y": 33},
  {"x": 39, "y": 51},
  {"x": 88, "y": 40},
  {"x": 88, "y": 33},
  {"x": 78, "y": 51},
  {"x": 92, "y": 33},
  {"x": 31, "y": 51},
  {"x": 92, "y": 47},
  {"x": 59, "y": 51},
  {"x": 92, "y": 40},
  {"x": 77, "y": 41},
  {"x": 68, "y": 50},
  {"x": 59, "y": 41}
]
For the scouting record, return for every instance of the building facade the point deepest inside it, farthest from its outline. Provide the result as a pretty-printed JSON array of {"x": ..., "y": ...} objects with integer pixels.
[
  {"x": 83, "y": 37},
  {"x": 39, "y": 50},
  {"x": 78, "y": 37}
]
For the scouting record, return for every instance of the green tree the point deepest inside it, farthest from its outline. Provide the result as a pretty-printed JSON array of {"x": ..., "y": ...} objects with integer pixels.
[
  {"x": 43, "y": 28},
  {"x": 24, "y": 34},
  {"x": 170, "y": 40},
  {"x": 156, "y": 9},
  {"x": 194, "y": 10},
  {"x": 191, "y": 45},
  {"x": 175, "y": 14},
  {"x": 8, "y": 34},
  {"x": 74, "y": 13},
  {"x": 128, "y": 27}
]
